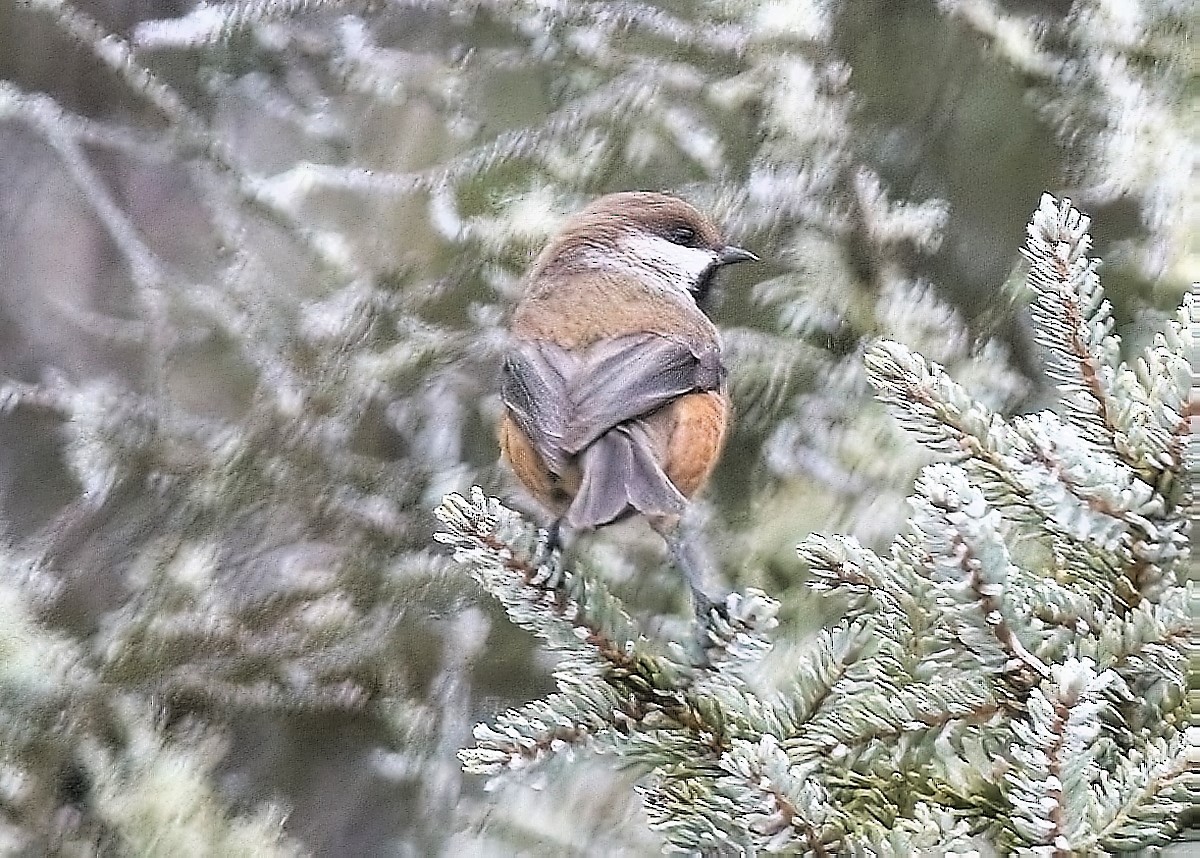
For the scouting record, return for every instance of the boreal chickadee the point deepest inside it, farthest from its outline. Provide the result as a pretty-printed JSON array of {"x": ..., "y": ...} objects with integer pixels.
[{"x": 614, "y": 386}]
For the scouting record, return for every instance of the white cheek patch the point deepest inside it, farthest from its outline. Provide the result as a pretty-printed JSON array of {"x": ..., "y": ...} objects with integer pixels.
[{"x": 675, "y": 266}]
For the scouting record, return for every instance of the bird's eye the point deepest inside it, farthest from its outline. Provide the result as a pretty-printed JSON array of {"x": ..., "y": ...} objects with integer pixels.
[{"x": 684, "y": 235}]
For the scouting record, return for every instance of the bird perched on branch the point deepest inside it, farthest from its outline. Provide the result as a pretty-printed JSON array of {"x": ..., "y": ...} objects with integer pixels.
[{"x": 614, "y": 389}]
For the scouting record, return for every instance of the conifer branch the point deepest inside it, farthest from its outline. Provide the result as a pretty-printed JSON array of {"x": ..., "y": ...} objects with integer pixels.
[
  {"x": 1108, "y": 401},
  {"x": 1072, "y": 319},
  {"x": 1055, "y": 750},
  {"x": 188, "y": 127},
  {"x": 1011, "y": 675},
  {"x": 216, "y": 23},
  {"x": 638, "y": 689},
  {"x": 982, "y": 679}
]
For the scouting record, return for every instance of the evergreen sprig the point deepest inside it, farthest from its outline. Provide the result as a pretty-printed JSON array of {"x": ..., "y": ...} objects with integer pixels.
[
  {"x": 1012, "y": 674},
  {"x": 596, "y": 639},
  {"x": 617, "y": 690},
  {"x": 305, "y": 219}
]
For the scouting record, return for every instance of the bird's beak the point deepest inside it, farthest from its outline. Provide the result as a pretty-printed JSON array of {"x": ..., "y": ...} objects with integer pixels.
[{"x": 733, "y": 254}]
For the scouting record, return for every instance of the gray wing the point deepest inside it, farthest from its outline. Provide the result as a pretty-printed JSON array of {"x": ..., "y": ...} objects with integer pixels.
[
  {"x": 534, "y": 389},
  {"x": 586, "y": 403},
  {"x": 631, "y": 376}
]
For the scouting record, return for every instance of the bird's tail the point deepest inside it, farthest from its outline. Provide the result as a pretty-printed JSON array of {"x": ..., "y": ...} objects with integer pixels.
[{"x": 621, "y": 475}]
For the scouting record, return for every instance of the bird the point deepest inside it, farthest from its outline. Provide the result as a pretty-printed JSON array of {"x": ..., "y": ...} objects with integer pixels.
[{"x": 613, "y": 385}]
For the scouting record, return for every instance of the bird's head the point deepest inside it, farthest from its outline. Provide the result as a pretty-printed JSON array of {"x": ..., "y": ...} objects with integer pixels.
[{"x": 660, "y": 239}]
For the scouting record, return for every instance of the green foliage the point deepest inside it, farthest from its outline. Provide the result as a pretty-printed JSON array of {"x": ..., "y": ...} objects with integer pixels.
[
  {"x": 973, "y": 692},
  {"x": 256, "y": 264}
]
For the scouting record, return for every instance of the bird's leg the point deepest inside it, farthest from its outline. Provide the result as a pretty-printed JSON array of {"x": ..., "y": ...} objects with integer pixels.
[
  {"x": 554, "y": 535},
  {"x": 551, "y": 542},
  {"x": 692, "y": 557}
]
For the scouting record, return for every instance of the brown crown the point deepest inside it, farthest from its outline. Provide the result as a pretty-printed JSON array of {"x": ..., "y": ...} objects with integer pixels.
[{"x": 608, "y": 218}]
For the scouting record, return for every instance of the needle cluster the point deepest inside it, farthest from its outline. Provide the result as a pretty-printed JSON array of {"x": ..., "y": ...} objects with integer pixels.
[{"x": 1010, "y": 674}]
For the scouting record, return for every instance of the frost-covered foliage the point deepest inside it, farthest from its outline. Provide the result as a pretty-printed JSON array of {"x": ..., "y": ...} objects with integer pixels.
[
  {"x": 1098, "y": 73},
  {"x": 1011, "y": 676},
  {"x": 256, "y": 261}
]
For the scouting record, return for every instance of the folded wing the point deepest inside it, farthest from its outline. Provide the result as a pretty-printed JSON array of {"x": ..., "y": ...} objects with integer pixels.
[{"x": 589, "y": 404}]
